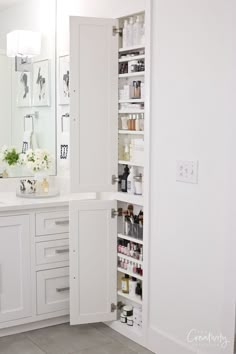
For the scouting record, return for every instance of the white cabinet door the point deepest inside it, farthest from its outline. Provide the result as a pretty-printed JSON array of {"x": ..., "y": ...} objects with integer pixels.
[
  {"x": 15, "y": 268},
  {"x": 93, "y": 278},
  {"x": 94, "y": 104}
]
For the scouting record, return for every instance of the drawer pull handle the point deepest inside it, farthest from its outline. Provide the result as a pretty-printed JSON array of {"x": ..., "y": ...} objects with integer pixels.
[
  {"x": 66, "y": 250},
  {"x": 61, "y": 290},
  {"x": 62, "y": 223}
]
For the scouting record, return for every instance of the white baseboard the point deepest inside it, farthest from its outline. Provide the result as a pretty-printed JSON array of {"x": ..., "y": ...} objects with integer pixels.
[
  {"x": 160, "y": 342},
  {"x": 32, "y": 326}
]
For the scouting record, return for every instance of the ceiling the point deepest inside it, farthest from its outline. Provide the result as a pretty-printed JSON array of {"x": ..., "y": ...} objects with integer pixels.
[{"x": 5, "y": 4}]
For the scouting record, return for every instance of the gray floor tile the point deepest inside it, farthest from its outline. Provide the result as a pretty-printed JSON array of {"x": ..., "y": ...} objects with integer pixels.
[
  {"x": 18, "y": 344},
  {"x": 65, "y": 339},
  {"x": 113, "y": 348},
  {"x": 107, "y": 331}
]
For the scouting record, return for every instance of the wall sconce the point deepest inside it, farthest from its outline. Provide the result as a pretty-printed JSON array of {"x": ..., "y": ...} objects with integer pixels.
[{"x": 23, "y": 45}]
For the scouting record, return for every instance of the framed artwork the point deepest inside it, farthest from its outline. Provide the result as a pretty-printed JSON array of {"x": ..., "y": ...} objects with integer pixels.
[
  {"x": 41, "y": 94},
  {"x": 23, "y": 84},
  {"x": 64, "y": 80}
]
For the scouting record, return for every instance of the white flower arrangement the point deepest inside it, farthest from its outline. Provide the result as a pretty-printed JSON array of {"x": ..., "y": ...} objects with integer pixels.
[{"x": 38, "y": 160}]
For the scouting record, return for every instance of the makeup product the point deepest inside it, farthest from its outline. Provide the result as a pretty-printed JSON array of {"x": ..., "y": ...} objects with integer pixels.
[
  {"x": 128, "y": 311},
  {"x": 138, "y": 290},
  {"x": 130, "y": 181},
  {"x": 124, "y": 123},
  {"x": 138, "y": 185},
  {"x": 132, "y": 286},
  {"x": 124, "y": 179},
  {"x": 123, "y": 318},
  {"x": 125, "y": 284},
  {"x": 130, "y": 321}
]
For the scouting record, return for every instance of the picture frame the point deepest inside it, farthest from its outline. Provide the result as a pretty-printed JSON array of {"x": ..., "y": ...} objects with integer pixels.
[
  {"x": 64, "y": 80},
  {"x": 24, "y": 89},
  {"x": 41, "y": 84}
]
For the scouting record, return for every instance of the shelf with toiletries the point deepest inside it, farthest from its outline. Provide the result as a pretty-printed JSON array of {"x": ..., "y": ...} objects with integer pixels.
[
  {"x": 131, "y": 132},
  {"x": 125, "y": 271},
  {"x": 131, "y": 239},
  {"x": 132, "y": 100},
  {"x": 130, "y": 163},
  {"x": 129, "y": 57},
  {"x": 129, "y": 298},
  {"x": 135, "y": 74},
  {"x": 130, "y": 198},
  {"x": 130, "y": 259},
  {"x": 131, "y": 48}
]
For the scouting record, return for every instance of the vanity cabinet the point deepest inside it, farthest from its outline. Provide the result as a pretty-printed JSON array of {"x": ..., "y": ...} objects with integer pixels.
[{"x": 15, "y": 268}]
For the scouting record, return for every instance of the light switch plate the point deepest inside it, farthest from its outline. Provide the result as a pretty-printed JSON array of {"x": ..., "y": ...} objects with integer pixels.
[{"x": 187, "y": 171}]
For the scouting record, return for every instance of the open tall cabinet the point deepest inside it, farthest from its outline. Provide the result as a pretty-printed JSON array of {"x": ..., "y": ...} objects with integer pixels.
[{"x": 97, "y": 139}]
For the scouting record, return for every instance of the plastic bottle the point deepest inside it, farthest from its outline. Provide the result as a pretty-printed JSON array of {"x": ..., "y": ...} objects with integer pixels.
[
  {"x": 125, "y": 34},
  {"x": 125, "y": 284},
  {"x": 137, "y": 31},
  {"x": 130, "y": 32},
  {"x": 137, "y": 123},
  {"x": 124, "y": 179},
  {"x": 130, "y": 181},
  {"x": 126, "y": 154}
]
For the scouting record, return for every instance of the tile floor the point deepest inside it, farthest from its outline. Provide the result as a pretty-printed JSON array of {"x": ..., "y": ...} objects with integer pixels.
[{"x": 64, "y": 339}]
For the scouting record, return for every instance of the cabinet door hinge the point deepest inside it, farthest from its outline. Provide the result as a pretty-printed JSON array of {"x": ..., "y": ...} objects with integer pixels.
[
  {"x": 115, "y": 179},
  {"x": 116, "y": 31},
  {"x": 115, "y": 212},
  {"x": 115, "y": 307}
]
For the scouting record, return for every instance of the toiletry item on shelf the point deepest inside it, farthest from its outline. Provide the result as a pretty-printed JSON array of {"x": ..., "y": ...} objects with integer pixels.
[
  {"x": 123, "y": 318},
  {"x": 132, "y": 286},
  {"x": 125, "y": 34},
  {"x": 123, "y": 68},
  {"x": 45, "y": 186},
  {"x": 128, "y": 311},
  {"x": 130, "y": 181},
  {"x": 130, "y": 122},
  {"x": 137, "y": 151},
  {"x": 130, "y": 321},
  {"x": 139, "y": 291},
  {"x": 130, "y": 31},
  {"x": 142, "y": 122},
  {"x": 126, "y": 155},
  {"x": 124, "y": 123},
  {"x": 125, "y": 284},
  {"x": 137, "y": 31},
  {"x": 133, "y": 122},
  {"x": 133, "y": 66},
  {"x": 124, "y": 178},
  {"x": 137, "y": 317},
  {"x": 138, "y": 185}
]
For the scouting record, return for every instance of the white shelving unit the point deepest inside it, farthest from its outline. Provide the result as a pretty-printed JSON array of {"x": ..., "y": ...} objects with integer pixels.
[
  {"x": 133, "y": 100},
  {"x": 131, "y": 132},
  {"x": 130, "y": 198},
  {"x": 130, "y": 58},
  {"x": 137, "y": 74},
  {"x": 130, "y": 163},
  {"x": 129, "y": 298},
  {"x": 134, "y": 275},
  {"x": 131, "y": 49},
  {"x": 131, "y": 239},
  {"x": 131, "y": 111}
]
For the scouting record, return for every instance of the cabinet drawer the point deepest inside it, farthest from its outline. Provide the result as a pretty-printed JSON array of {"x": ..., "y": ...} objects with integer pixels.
[
  {"x": 53, "y": 290},
  {"x": 52, "y": 251},
  {"x": 52, "y": 223}
]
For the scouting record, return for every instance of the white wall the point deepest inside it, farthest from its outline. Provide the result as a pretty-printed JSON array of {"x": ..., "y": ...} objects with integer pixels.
[
  {"x": 35, "y": 15},
  {"x": 193, "y": 118},
  {"x": 5, "y": 99}
]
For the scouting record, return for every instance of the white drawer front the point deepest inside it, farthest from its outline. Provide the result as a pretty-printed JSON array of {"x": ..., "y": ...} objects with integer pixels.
[
  {"x": 52, "y": 223},
  {"x": 53, "y": 290},
  {"x": 52, "y": 251}
]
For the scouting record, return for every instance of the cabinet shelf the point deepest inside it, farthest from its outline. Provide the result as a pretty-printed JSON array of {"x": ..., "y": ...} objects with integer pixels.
[
  {"x": 131, "y": 239},
  {"x": 124, "y": 271},
  {"x": 139, "y": 73},
  {"x": 131, "y": 111},
  {"x": 130, "y": 58},
  {"x": 130, "y": 163},
  {"x": 130, "y": 198},
  {"x": 131, "y": 49},
  {"x": 121, "y": 255},
  {"x": 131, "y": 132},
  {"x": 133, "y": 100},
  {"x": 128, "y": 297}
]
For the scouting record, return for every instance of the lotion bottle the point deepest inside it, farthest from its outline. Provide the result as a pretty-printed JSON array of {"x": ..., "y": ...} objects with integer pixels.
[{"x": 130, "y": 181}]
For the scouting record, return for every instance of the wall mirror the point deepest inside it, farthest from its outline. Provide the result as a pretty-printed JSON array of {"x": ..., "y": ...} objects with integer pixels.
[{"x": 27, "y": 87}]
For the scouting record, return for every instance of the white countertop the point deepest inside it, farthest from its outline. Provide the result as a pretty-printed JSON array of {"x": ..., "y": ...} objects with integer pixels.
[{"x": 10, "y": 202}]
